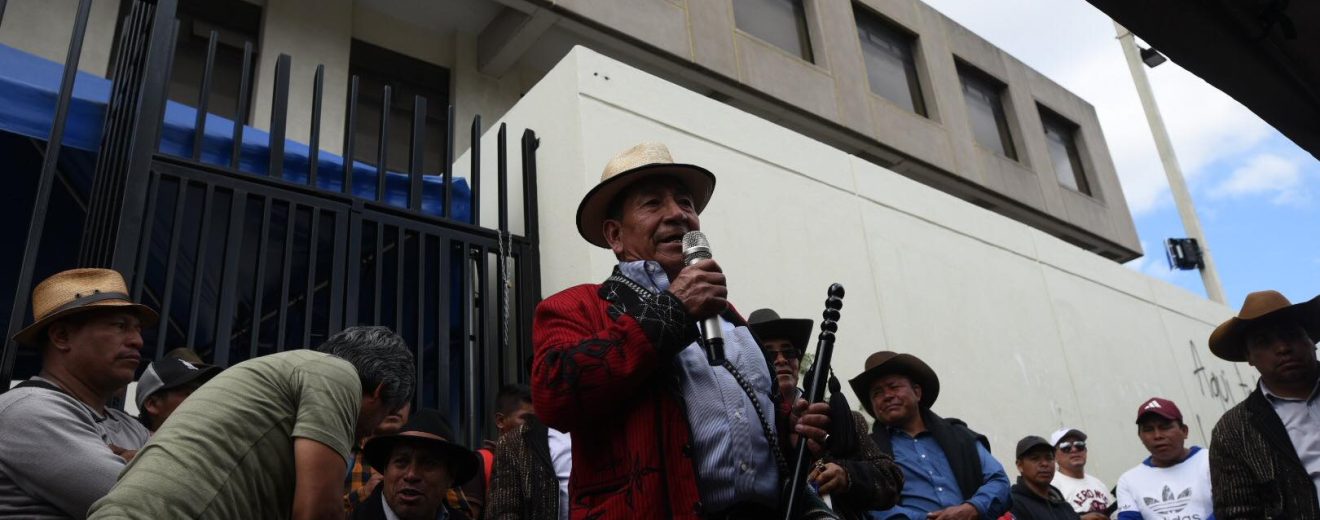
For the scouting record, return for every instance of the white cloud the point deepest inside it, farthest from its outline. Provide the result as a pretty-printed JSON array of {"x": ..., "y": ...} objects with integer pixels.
[
  {"x": 1074, "y": 44},
  {"x": 1269, "y": 175}
]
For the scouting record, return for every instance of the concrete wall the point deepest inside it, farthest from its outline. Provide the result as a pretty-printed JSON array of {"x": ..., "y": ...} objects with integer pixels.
[
  {"x": 1027, "y": 332},
  {"x": 43, "y": 28}
]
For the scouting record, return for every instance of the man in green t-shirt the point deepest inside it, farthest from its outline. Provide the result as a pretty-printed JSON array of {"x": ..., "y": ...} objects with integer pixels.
[{"x": 270, "y": 437}]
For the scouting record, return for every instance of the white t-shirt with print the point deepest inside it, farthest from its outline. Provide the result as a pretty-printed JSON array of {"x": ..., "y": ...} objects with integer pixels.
[
  {"x": 1179, "y": 492},
  {"x": 1085, "y": 495}
]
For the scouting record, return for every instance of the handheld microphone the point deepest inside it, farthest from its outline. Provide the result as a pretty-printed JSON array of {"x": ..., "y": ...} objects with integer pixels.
[{"x": 695, "y": 249}]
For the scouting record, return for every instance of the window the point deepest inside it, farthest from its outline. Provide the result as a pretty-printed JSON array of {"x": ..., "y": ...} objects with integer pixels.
[
  {"x": 236, "y": 22},
  {"x": 1061, "y": 139},
  {"x": 782, "y": 23},
  {"x": 985, "y": 110},
  {"x": 407, "y": 77},
  {"x": 890, "y": 66}
]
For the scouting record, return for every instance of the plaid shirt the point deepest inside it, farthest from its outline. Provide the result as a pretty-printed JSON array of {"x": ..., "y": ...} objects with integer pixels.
[{"x": 359, "y": 475}]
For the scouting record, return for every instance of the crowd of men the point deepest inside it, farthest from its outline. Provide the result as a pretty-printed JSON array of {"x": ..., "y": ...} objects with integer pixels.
[{"x": 626, "y": 416}]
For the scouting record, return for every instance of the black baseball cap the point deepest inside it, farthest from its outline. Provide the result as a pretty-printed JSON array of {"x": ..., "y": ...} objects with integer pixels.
[
  {"x": 1031, "y": 442},
  {"x": 171, "y": 373}
]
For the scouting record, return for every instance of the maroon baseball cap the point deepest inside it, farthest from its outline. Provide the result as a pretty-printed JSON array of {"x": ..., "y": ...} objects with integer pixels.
[{"x": 1161, "y": 407}]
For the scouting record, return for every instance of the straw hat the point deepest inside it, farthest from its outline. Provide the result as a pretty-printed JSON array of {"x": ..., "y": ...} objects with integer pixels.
[
  {"x": 1228, "y": 341},
  {"x": 76, "y": 291},
  {"x": 644, "y": 161},
  {"x": 886, "y": 362}
]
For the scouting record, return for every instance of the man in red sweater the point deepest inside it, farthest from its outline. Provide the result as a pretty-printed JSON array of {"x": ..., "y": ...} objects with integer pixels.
[{"x": 658, "y": 432}]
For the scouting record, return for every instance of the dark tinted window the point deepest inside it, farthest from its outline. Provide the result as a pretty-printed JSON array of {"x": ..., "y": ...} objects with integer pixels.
[
  {"x": 407, "y": 77},
  {"x": 1061, "y": 139},
  {"x": 985, "y": 111},
  {"x": 890, "y": 66},
  {"x": 782, "y": 23}
]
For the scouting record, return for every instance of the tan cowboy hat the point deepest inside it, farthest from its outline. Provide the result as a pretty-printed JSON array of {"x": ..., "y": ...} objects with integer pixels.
[
  {"x": 640, "y": 162},
  {"x": 1228, "y": 341},
  {"x": 886, "y": 362},
  {"x": 76, "y": 291}
]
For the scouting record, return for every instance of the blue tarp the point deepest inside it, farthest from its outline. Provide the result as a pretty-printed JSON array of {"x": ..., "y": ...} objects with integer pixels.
[{"x": 29, "y": 88}]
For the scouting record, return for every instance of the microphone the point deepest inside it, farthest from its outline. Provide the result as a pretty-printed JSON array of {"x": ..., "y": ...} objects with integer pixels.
[{"x": 695, "y": 249}]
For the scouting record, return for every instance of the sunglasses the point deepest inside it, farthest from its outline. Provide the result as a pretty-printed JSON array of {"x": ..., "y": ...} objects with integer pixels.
[
  {"x": 1069, "y": 447},
  {"x": 790, "y": 354}
]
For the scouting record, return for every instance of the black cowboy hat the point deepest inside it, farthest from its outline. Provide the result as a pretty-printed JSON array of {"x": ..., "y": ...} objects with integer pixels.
[
  {"x": 886, "y": 362},
  {"x": 766, "y": 324},
  {"x": 429, "y": 428}
]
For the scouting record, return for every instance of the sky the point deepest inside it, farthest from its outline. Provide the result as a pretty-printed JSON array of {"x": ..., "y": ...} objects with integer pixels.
[{"x": 1256, "y": 192}]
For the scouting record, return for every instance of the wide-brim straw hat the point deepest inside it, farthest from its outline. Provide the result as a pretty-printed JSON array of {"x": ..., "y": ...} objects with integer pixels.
[
  {"x": 886, "y": 362},
  {"x": 641, "y": 162},
  {"x": 766, "y": 324},
  {"x": 1228, "y": 341},
  {"x": 77, "y": 291}
]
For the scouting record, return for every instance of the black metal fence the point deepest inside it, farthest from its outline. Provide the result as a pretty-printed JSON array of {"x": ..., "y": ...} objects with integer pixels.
[{"x": 241, "y": 264}]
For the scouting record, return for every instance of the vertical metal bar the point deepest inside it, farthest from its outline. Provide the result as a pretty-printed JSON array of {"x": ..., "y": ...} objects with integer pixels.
[
  {"x": 417, "y": 147},
  {"x": 2, "y": 10},
  {"x": 337, "y": 261},
  {"x": 36, "y": 226},
  {"x": 354, "y": 263},
  {"x": 224, "y": 323},
  {"x": 314, "y": 143},
  {"x": 468, "y": 376},
  {"x": 475, "y": 156},
  {"x": 442, "y": 344},
  {"x": 204, "y": 97},
  {"x": 420, "y": 314},
  {"x": 169, "y": 73},
  {"x": 241, "y": 115},
  {"x": 449, "y": 164},
  {"x": 349, "y": 130},
  {"x": 171, "y": 264},
  {"x": 279, "y": 115},
  {"x": 502, "y": 176},
  {"x": 399, "y": 260},
  {"x": 290, "y": 221},
  {"x": 531, "y": 220},
  {"x": 144, "y": 249},
  {"x": 309, "y": 297},
  {"x": 260, "y": 278},
  {"x": 376, "y": 266},
  {"x": 199, "y": 264},
  {"x": 383, "y": 146},
  {"x": 486, "y": 369}
]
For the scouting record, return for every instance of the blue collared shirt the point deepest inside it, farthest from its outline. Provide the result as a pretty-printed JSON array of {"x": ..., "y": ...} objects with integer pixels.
[
  {"x": 929, "y": 483},
  {"x": 733, "y": 459}
]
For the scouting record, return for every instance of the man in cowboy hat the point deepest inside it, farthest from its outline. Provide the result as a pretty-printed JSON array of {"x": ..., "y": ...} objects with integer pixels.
[
  {"x": 948, "y": 472},
  {"x": 269, "y": 437},
  {"x": 165, "y": 385},
  {"x": 1265, "y": 452},
  {"x": 420, "y": 465},
  {"x": 61, "y": 444},
  {"x": 867, "y": 481},
  {"x": 657, "y": 431}
]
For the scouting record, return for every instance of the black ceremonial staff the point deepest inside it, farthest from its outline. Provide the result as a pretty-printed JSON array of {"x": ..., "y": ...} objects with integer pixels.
[{"x": 815, "y": 387}]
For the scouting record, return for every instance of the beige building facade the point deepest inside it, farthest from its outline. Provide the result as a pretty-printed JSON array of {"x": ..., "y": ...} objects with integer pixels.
[{"x": 818, "y": 67}]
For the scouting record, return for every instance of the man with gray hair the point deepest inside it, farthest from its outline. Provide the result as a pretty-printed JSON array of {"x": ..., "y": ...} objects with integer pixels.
[{"x": 269, "y": 437}]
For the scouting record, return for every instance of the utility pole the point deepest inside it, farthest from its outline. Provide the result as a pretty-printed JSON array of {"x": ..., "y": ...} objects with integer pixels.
[{"x": 1177, "y": 185}]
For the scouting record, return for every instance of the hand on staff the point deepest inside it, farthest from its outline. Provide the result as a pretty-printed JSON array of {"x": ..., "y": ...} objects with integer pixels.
[
  {"x": 700, "y": 287},
  {"x": 830, "y": 477},
  {"x": 811, "y": 421}
]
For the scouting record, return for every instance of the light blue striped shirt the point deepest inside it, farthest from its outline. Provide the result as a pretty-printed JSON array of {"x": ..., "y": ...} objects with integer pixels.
[{"x": 733, "y": 459}]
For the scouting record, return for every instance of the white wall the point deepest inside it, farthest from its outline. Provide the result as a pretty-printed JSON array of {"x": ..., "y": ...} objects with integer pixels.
[{"x": 1027, "y": 332}]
